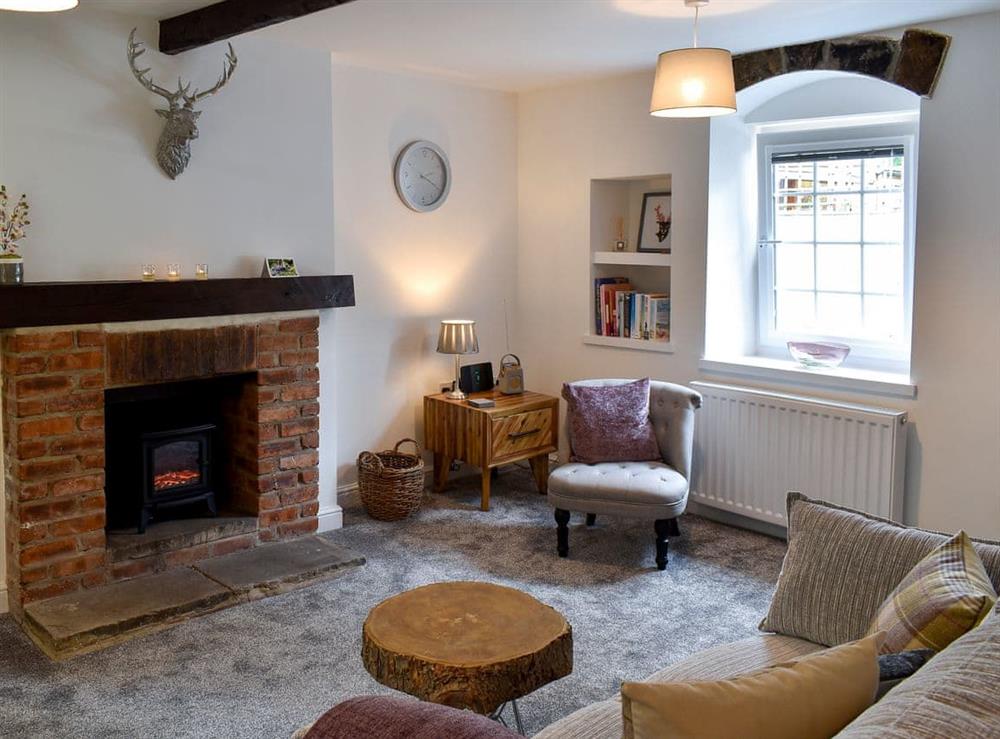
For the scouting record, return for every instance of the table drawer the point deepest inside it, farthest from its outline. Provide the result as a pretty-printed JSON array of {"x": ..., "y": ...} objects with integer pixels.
[{"x": 521, "y": 432}]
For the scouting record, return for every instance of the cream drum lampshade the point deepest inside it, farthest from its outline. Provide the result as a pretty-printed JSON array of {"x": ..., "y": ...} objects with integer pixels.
[
  {"x": 693, "y": 83},
  {"x": 38, "y": 6}
]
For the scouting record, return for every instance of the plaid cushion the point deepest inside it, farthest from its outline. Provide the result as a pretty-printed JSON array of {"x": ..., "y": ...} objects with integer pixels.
[{"x": 945, "y": 595}]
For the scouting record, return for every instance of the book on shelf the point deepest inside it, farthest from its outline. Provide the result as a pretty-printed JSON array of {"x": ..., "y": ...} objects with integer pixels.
[
  {"x": 600, "y": 318},
  {"x": 621, "y": 310}
]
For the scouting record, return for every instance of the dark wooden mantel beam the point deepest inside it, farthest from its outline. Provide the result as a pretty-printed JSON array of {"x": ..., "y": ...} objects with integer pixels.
[{"x": 231, "y": 18}]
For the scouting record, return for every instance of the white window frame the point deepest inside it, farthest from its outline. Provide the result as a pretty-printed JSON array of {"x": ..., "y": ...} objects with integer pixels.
[{"x": 865, "y": 353}]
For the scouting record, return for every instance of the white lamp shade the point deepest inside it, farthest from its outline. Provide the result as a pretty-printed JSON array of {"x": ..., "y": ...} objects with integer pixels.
[
  {"x": 693, "y": 83},
  {"x": 38, "y": 6},
  {"x": 458, "y": 337}
]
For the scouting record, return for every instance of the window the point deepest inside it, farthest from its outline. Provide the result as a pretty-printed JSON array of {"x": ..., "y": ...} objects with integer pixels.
[{"x": 836, "y": 249}]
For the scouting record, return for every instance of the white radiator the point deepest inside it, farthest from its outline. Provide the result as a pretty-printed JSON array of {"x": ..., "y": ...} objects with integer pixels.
[{"x": 752, "y": 447}]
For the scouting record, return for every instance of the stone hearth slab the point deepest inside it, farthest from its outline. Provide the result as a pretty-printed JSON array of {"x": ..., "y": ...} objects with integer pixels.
[
  {"x": 169, "y": 536},
  {"x": 88, "y": 620},
  {"x": 278, "y": 568},
  {"x": 93, "y": 619}
]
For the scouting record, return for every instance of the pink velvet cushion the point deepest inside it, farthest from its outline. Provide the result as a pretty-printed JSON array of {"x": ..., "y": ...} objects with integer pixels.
[
  {"x": 389, "y": 717},
  {"x": 610, "y": 423}
]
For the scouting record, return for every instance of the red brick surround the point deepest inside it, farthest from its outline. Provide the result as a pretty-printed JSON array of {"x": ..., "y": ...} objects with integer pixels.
[{"x": 53, "y": 426}]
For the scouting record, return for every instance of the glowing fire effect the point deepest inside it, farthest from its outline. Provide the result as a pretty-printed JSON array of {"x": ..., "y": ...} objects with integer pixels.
[{"x": 175, "y": 479}]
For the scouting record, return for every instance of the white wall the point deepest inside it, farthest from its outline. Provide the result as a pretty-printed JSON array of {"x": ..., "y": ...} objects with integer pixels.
[
  {"x": 413, "y": 269},
  {"x": 78, "y": 134},
  {"x": 571, "y": 134},
  {"x": 568, "y": 136}
]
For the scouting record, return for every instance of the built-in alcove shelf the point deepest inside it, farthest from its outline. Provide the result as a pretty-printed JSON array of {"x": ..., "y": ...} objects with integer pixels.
[
  {"x": 74, "y": 303},
  {"x": 664, "y": 347},
  {"x": 616, "y": 206},
  {"x": 632, "y": 258}
]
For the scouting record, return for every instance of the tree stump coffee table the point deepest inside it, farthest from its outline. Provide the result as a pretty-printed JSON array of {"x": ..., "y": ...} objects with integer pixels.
[{"x": 470, "y": 645}]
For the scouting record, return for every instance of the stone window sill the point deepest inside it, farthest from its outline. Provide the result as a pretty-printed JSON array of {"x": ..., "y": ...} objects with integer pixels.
[{"x": 833, "y": 379}]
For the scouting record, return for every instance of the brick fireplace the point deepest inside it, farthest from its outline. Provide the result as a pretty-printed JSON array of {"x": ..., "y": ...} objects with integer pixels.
[{"x": 56, "y": 384}]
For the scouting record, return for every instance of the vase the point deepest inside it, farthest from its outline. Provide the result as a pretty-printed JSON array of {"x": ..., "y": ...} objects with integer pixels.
[{"x": 11, "y": 271}]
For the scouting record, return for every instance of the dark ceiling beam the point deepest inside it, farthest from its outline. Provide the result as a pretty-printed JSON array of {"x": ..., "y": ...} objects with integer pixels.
[{"x": 231, "y": 18}]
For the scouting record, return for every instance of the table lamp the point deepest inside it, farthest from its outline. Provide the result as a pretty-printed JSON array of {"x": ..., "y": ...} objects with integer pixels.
[{"x": 457, "y": 337}]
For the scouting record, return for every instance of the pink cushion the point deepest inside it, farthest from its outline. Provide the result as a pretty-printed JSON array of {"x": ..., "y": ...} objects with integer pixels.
[
  {"x": 610, "y": 423},
  {"x": 389, "y": 717}
]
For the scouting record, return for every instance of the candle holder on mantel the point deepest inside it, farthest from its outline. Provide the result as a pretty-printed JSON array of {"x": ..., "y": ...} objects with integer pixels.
[
  {"x": 173, "y": 272},
  {"x": 149, "y": 273},
  {"x": 201, "y": 271}
]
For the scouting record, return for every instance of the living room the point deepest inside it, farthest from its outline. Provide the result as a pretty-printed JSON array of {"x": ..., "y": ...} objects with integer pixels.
[{"x": 150, "y": 277}]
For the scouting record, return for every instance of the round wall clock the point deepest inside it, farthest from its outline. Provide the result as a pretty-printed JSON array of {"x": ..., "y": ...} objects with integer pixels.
[{"x": 423, "y": 176}]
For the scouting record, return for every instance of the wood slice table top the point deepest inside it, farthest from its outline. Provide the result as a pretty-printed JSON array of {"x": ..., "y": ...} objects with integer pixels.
[{"x": 469, "y": 645}]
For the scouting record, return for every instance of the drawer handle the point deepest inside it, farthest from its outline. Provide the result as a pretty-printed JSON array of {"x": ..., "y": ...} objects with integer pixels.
[{"x": 520, "y": 434}]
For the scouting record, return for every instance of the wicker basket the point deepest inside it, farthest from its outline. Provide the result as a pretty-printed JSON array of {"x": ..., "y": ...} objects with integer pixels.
[{"x": 391, "y": 482}]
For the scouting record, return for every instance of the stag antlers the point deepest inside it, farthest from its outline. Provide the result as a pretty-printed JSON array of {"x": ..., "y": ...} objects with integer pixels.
[{"x": 137, "y": 49}]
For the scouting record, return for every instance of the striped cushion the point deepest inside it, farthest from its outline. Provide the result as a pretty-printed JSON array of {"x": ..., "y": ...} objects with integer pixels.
[
  {"x": 956, "y": 694},
  {"x": 840, "y": 567},
  {"x": 945, "y": 595}
]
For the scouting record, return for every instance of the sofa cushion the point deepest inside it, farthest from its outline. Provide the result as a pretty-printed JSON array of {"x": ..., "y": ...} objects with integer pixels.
[
  {"x": 956, "y": 694},
  {"x": 603, "y": 720},
  {"x": 814, "y": 696},
  {"x": 642, "y": 489},
  {"x": 946, "y": 594},
  {"x": 610, "y": 423},
  {"x": 390, "y": 717},
  {"x": 840, "y": 567}
]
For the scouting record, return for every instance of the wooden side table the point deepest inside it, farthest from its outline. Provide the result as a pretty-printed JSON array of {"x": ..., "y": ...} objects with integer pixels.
[{"x": 518, "y": 427}]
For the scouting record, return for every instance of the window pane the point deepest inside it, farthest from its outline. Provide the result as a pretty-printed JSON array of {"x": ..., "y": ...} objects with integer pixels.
[
  {"x": 884, "y": 317},
  {"x": 839, "y": 175},
  {"x": 795, "y": 310},
  {"x": 884, "y": 268},
  {"x": 793, "y": 266},
  {"x": 839, "y": 218},
  {"x": 884, "y": 216},
  {"x": 793, "y": 218},
  {"x": 838, "y": 267},
  {"x": 884, "y": 173},
  {"x": 793, "y": 177},
  {"x": 838, "y": 315}
]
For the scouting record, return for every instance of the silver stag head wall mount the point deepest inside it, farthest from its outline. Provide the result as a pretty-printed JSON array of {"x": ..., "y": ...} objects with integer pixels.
[{"x": 173, "y": 150}]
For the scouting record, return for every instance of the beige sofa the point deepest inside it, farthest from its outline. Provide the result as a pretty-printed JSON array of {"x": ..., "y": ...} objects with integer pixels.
[{"x": 956, "y": 694}]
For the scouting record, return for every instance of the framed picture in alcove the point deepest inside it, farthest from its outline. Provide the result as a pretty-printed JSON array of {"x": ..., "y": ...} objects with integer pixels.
[{"x": 654, "y": 223}]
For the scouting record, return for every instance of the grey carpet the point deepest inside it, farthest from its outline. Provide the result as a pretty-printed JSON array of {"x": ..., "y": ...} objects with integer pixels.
[{"x": 263, "y": 669}]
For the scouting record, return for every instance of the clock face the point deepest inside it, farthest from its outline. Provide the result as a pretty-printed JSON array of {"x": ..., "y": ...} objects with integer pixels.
[{"x": 423, "y": 176}]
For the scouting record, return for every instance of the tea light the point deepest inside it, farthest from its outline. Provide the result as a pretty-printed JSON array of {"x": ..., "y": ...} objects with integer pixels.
[
  {"x": 201, "y": 271},
  {"x": 173, "y": 272},
  {"x": 148, "y": 272}
]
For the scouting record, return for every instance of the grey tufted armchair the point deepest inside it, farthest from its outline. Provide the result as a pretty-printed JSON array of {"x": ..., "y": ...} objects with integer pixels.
[{"x": 656, "y": 491}]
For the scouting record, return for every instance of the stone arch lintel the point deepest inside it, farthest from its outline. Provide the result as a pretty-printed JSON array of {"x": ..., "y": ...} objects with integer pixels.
[{"x": 913, "y": 62}]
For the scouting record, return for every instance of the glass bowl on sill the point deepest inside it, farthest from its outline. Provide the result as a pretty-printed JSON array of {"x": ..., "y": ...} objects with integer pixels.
[{"x": 818, "y": 354}]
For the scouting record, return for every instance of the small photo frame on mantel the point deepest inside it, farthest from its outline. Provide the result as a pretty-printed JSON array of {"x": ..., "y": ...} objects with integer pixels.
[
  {"x": 279, "y": 267},
  {"x": 654, "y": 223}
]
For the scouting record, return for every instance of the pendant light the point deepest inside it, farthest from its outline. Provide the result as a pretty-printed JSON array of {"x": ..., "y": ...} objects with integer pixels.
[
  {"x": 695, "y": 82},
  {"x": 38, "y": 6}
]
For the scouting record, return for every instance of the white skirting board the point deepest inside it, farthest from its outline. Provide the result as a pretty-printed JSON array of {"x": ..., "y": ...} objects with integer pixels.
[{"x": 331, "y": 518}]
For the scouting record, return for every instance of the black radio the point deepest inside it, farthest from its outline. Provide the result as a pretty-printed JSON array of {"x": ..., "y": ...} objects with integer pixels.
[{"x": 476, "y": 378}]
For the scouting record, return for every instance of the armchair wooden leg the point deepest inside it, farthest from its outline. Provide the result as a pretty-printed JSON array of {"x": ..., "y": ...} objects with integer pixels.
[
  {"x": 673, "y": 528},
  {"x": 662, "y": 527},
  {"x": 591, "y": 519},
  {"x": 562, "y": 532}
]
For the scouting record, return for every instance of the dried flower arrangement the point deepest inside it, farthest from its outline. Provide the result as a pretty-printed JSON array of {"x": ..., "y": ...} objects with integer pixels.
[{"x": 12, "y": 225}]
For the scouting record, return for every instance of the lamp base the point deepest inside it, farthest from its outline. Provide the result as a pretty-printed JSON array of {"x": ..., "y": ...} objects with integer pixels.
[{"x": 456, "y": 393}]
